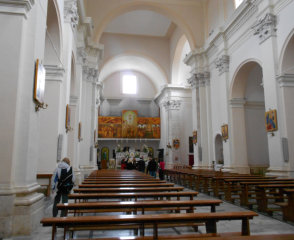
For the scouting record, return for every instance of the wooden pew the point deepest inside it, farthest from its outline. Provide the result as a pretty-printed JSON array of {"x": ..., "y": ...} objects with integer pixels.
[
  {"x": 140, "y": 205},
  {"x": 120, "y": 185},
  {"x": 288, "y": 207},
  {"x": 209, "y": 218},
  {"x": 130, "y": 189},
  {"x": 133, "y": 196},
  {"x": 263, "y": 197},
  {"x": 46, "y": 176},
  {"x": 206, "y": 237},
  {"x": 87, "y": 181}
]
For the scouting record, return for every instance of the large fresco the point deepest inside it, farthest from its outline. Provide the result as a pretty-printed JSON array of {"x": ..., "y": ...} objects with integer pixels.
[
  {"x": 128, "y": 126},
  {"x": 109, "y": 127}
]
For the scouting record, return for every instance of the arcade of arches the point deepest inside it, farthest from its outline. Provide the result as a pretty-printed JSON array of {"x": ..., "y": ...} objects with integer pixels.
[{"x": 201, "y": 66}]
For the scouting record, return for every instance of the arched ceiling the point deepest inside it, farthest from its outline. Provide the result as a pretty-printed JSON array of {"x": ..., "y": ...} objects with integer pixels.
[{"x": 135, "y": 63}]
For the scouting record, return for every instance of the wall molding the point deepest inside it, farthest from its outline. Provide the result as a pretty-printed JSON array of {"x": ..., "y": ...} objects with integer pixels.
[
  {"x": 54, "y": 73},
  {"x": 285, "y": 80},
  {"x": 16, "y": 7}
]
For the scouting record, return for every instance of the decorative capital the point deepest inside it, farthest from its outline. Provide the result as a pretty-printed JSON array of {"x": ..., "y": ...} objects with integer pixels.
[
  {"x": 222, "y": 64},
  {"x": 91, "y": 74},
  {"x": 82, "y": 55},
  {"x": 171, "y": 104},
  {"x": 265, "y": 27},
  {"x": 71, "y": 12},
  {"x": 199, "y": 80}
]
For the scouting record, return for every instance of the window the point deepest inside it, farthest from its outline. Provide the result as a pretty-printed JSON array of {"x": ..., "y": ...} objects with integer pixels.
[
  {"x": 238, "y": 2},
  {"x": 129, "y": 84}
]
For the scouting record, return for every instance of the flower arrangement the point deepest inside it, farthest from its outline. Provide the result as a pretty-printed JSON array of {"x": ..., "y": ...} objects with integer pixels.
[
  {"x": 118, "y": 148},
  {"x": 145, "y": 148}
]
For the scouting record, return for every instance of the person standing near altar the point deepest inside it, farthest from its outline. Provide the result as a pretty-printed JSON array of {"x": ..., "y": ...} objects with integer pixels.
[{"x": 152, "y": 167}]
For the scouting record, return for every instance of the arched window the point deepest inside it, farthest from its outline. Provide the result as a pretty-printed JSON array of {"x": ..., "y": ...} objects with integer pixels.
[{"x": 238, "y": 2}]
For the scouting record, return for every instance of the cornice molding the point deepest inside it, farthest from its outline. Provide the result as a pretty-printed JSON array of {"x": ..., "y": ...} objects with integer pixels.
[
  {"x": 265, "y": 27},
  {"x": 237, "y": 102},
  {"x": 285, "y": 80},
  {"x": 74, "y": 100},
  {"x": 54, "y": 73},
  {"x": 17, "y": 7}
]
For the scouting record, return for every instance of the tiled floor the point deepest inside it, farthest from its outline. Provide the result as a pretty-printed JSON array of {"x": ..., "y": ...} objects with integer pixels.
[{"x": 259, "y": 225}]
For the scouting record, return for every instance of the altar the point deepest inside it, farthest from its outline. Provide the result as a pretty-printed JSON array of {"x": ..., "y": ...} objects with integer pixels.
[{"x": 132, "y": 153}]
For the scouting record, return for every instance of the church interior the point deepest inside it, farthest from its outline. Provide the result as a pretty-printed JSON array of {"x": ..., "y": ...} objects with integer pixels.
[{"x": 205, "y": 86}]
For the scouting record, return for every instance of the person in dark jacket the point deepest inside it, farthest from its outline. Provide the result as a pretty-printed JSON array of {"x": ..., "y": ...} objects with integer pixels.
[
  {"x": 62, "y": 182},
  {"x": 152, "y": 167},
  {"x": 141, "y": 165}
]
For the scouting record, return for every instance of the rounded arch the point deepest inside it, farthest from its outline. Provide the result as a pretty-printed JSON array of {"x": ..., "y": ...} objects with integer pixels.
[
  {"x": 218, "y": 144},
  {"x": 287, "y": 55},
  {"x": 53, "y": 42},
  {"x": 151, "y": 6},
  {"x": 178, "y": 66},
  {"x": 238, "y": 84},
  {"x": 135, "y": 62}
]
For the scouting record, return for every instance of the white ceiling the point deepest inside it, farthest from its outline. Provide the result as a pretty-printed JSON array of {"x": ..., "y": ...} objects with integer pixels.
[{"x": 140, "y": 22}]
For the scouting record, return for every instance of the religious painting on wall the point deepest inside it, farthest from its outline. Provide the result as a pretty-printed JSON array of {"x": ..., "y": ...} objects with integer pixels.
[
  {"x": 109, "y": 127},
  {"x": 105, "y": 153},
  {"x": 67, "y": 118},
  {"x": 129, "y": 123},
  {"x": 39, "y": 84},
  {"x": 225, "y": 133},
  {"x": 148, "y": 127},
  {"x": 176, "y": 143},
  {"x": 194, "y": 137},
  {"x": 271, "y": 121}
]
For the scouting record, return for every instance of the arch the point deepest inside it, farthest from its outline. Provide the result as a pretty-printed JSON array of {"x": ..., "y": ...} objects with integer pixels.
[
  {"x": 287, "y": 55},
  {"x": 218, "y": 144},
  {"x": 135, "y": 62},
  {"x": 53, "y": 42},
  {"x": 237, "y": 86},
  {"x": 132, "y": 6},
  {"x": 177, "y": 64},
  {"x": 249, "y": 138}
]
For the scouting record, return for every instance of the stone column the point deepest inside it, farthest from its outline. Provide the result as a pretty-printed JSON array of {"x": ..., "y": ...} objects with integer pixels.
[
  {"x": 222, "y": 64},
  {"x": 172, "y": 106},
  {"x": 195, "y": 113},
  {"x": 265, "y": 29},
  {"x": 286, "y": 84},
  {"x": 23, "y": 25}
]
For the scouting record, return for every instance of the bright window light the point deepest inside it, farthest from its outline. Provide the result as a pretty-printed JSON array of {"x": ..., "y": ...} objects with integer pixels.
[
  {"x": 238, "y": 2},
  {"x": 129, "y": 84}
]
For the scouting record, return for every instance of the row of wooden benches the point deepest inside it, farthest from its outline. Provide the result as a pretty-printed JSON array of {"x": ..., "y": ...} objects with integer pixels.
[
  {"x": 248, "y": 189},
  {"x": 136, "y": 192}
]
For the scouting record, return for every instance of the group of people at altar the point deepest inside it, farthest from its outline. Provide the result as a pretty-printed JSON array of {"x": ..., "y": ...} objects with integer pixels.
[{"x": 152, "y": 166}]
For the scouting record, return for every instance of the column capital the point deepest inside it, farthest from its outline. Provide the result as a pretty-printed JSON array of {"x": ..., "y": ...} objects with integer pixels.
[
  {"x": 71, "y": 13},
  {"x": 265, "y": 27},
  {"x": 199, "y": 80},
  {"x": 91, "y": 74},
  {"x": 20, "y": 7},
  {"x": 171, "y": 104},
  {"x": 222, "y": 64},
  {"x": 285, "y": 80}
]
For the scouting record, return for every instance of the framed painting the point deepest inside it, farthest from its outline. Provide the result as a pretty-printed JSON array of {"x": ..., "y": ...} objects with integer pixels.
[
  {"x": 105, "y": 153},
  {"x": 39, "y": 83},
  {"x": 271, "y": 121},
  {"x": 176, "y": 143},
  {"x": 225, "y": 134},
  {"x": 94, "y": 135},
  {"x": 194, "y": 137},
  {"x": 67, "y": 118}
]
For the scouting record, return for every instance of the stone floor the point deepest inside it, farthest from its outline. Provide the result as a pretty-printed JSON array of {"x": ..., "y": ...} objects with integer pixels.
[{"x": 259, "y": 225}]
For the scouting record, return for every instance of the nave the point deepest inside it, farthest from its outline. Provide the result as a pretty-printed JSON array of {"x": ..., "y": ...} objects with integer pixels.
[{"x": 259, "y": 225}]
